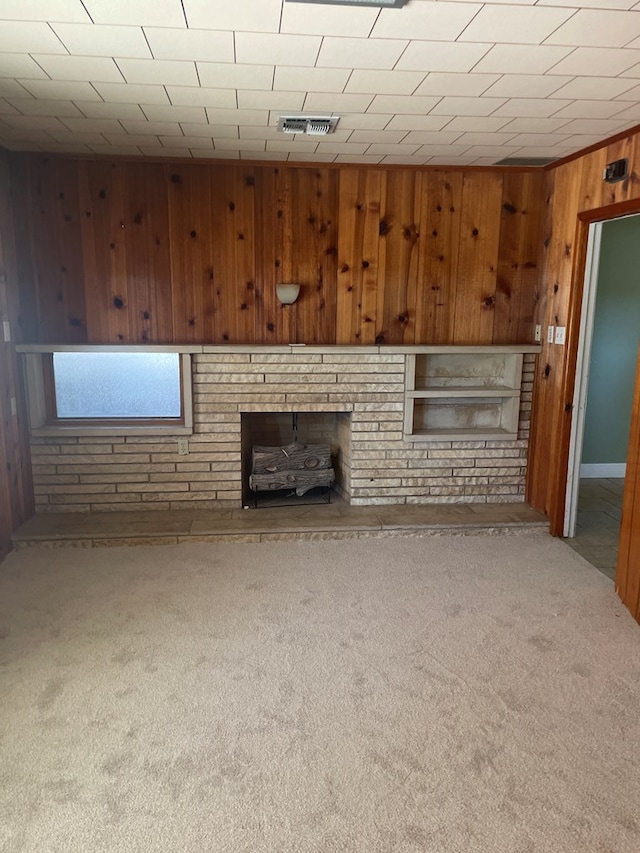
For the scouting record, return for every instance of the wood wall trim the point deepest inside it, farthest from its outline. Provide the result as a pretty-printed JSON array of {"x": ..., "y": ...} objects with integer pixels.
[{"x": 628, "y": 569}]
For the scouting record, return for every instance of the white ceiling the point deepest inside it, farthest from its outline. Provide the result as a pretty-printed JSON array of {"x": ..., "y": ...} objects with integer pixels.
[{"x": 436, "y": 82}]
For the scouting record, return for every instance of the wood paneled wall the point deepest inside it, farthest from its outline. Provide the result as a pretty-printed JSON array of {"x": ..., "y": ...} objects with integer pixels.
[
  {"x": 575, "y": 196},
  {"x": 16, "y": 492},
  {"x": 151, "y": 252}
]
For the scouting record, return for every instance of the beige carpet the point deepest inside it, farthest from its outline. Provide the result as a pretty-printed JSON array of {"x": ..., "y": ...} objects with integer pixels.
[{"x": 478, "y": 693}]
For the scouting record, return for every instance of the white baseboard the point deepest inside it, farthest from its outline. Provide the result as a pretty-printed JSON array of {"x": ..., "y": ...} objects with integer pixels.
[{"x": 607, "y": 469}]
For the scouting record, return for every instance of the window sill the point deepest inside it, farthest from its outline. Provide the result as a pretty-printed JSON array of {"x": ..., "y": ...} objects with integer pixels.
[{"x": 109, "y": 429}]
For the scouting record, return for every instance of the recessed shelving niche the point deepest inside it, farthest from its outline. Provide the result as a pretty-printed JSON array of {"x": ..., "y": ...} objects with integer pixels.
[{"x": 463, "y": 393}]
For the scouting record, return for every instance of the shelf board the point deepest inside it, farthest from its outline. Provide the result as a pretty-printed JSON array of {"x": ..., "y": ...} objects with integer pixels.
[
  {"x": 461, "y": 435},
  {"x": 465, "y": 391}
]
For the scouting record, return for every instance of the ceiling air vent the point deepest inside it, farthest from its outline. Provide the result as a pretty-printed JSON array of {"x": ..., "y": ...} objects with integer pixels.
[
  {"x": 525, "y": 161},
  {"x": 311, "y": 125}
]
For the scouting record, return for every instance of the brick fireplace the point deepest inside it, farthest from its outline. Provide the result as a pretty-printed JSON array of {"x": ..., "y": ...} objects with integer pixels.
[{"x": 359, "y": 392}]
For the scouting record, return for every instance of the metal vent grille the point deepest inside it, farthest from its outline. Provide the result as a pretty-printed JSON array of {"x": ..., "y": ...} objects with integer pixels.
[
  {"x": 525, "y": 161},
  {"x": 311, "y": 125}
]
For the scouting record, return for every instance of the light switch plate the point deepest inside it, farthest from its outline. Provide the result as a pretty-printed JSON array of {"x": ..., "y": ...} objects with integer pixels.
[
  {"x": 560, "y": 334},
  {"x": 550, "y": 334},
  {"x": 538, "y": 333},
  {"x": 6, "y": 330}
]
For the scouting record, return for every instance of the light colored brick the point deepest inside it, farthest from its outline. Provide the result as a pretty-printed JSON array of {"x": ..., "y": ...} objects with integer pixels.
[{"x": 151, "y": 487}]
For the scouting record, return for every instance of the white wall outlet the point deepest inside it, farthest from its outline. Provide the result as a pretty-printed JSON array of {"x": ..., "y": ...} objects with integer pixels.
[
  {"x": 538, "y": 333},
  {"x": 560, "y": 334},
  {"x": 550, "y": 334},
  {"x": 14, "y": 407},
  {"x": 6, "y": 330},
  {"x": 183, "y": 447}
]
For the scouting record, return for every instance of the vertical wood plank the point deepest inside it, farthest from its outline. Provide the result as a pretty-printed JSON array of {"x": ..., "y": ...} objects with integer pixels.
[
  {"x": 190, "y": 241},
  {"x": 358, "y": 241},
  {"x": 628, "y": 568},
  {"x": 441, "y": 209},
  {"x": 520, "y": 228},
  {"x": 478, "y": 257},
  {"x": 398, "y": 258},
  {"x": 268, "y": 246}
]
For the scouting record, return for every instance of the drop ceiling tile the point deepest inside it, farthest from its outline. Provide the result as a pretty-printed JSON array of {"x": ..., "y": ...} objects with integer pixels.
[
  {"x": 215, "y": 155},
  {"x": 526, "y": 86},
  {"x": 443, "y": 150},
  {"x": 284, "y": 101},
  {"x": 538, "y": 139},
  {"x": 495, "y": 151},
  {"x": 38, "y": 107},
  {"x": 598, "y": 28},
  {"x": 99, "y": 109},
  {"x": 575, "y": 143},
  {"x": 254, "y": 117},
  {"x": 636, "y": 42},
  {"x": 364, "y": 121},
  {"x": 67, "y": 148},
  {"x": 441, "y": 56},
  {"x": 456, "y": 84},
  {"x": 271, "y": 132},
  {"x": 7, "y": 109},
  {"x": 327, "y": 20},
  {"x": 411, "y": 122},
  {"x": 590, "y": 109},
  {"x": 593, "y": 88},
  {"x": 123, "y": 93},
  {"x": 515, "y": 24},
  {"x": 122, "y": 138},
  {"x": 189, "y": 45},
  {"x": 446, "y": 161},
  {"x": 29, "y": 37},
  {"x": 327, "y": 102},
  {"x": 355, "y": 158},
  {"x": 94, "y": 125},
  {"x": 187, "y": 141},
  {"x": 597, "y": 62},
  {"x": 342, "y": 147},
  {"x": 531, "y": 107},
  {"x": 359, "y": 53},
  {"x": 218, "y": 75},
  {"x": 158, "y": 128},
  {"x": 106, "y": 150},
  {"x": 393, "y": 160},
  {"x": 61, "y": 91},
  {"x": 43, "y": 10},
  {"x": 630, "y": 114},
  {"x": 602, "y": 127},
  {"x": 81, "y": 68},
  {"x": 630, "y": 94},
  {"x": 384, "y": 82},
  {"x": 414, "y": 105},
  {"x": 224, "y": 131},
  {"x": 13, "y": 89},
  {"x": 156, "y": 112},
  {"x": 294, "y": 157},
  {"x": 402, "y": 148},
  {"x": 467, "y": 106},
  {"x": 435, "y": 21},
  {"x": 388, "y": 137},
  {"x": 298, "y": 79},
  {"x": 239, "y": 144},
  {"x": 101, "y": 40},
  {"x": 481, "y": 124},
  {"x": 162, "y": 13},
  {"x": 39, "y": 123},
  {"x": 287, "y": 145},
  {"x": 20, "y": 65},
  {"x": 190, "y": 96},
  {"x": 159, "y": 71},
  {"x": 256, "y": 15},
  {"x": 528, "y": 59},
  {"x": 485, "y": 139},
  {"x": 82, "y": 137},
  {"x": 444, "y": 137},
  {"x": 535, "y": 125},
  {"x": 276, "y": 49}
]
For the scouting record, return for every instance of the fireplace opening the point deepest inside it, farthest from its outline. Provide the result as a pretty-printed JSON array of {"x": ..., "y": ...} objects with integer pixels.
[{"x": 290, "y": 432}]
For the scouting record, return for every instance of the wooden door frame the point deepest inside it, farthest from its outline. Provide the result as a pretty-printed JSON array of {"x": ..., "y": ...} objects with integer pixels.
[{"x": 567, "y": 389}]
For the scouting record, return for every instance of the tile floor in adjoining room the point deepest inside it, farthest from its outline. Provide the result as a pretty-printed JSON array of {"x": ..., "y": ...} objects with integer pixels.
[{"x": 598, "y": 527}]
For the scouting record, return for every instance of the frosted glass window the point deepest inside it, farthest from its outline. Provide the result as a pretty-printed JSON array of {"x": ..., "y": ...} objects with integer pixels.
[{"x": 117, "y": 385}]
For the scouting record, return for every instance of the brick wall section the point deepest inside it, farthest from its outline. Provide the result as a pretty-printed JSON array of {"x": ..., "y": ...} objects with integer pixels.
[{"x": 145, "y": 472}]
